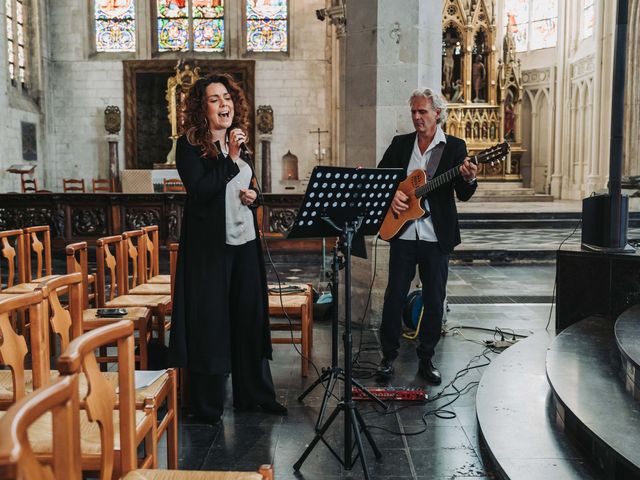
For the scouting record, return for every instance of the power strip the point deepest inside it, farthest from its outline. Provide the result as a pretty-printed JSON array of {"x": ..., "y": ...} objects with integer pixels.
[{"x": 500, "y": 343}]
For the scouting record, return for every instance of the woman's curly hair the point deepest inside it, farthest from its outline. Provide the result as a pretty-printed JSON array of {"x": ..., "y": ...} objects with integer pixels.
[{"x": 196, "y": 126}]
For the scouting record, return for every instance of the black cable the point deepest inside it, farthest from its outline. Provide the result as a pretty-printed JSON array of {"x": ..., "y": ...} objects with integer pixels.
[
  {"x": 555, "y": 281},
  {"x": 441, "y": 411}
]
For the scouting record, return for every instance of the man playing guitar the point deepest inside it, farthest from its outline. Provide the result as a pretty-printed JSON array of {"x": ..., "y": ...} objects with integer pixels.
[{"x": 427, "y": 241}]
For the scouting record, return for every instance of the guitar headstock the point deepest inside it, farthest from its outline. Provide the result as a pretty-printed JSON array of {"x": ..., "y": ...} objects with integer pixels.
[{"x": 493, "y": 154}]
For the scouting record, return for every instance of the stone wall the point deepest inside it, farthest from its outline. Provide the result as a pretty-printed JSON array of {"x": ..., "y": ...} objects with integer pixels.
[{"x": 81, "y": 83}]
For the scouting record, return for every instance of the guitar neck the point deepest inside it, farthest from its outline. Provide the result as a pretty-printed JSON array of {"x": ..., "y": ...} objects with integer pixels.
[
  {"x": 446, "y": 177},
  {"x": 438, "y": 181}
]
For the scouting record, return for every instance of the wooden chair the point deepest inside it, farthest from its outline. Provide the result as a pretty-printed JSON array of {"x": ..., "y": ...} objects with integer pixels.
[
  {"x": 296, "y": 306},
  {"x": 16, "y": 380},
  {"x": 101, "y": 185},
  {"x": 152, "y": 257},
  {"x": 172, "y": 185},
  {"x": 17, "y": 457},
  {"x": 37, "y": 243},
  {"x": 139, "y": 316},
  {"x": 118, "y": 294},
  {"x": 13, "y": 351},
  {"x": 12, "y": 256},
  {"x": 73, "y": 185},
  {"x": 162, "y": 392},
  {"x": 135, "y": 266},
  {"x": 29, "y": 185}
]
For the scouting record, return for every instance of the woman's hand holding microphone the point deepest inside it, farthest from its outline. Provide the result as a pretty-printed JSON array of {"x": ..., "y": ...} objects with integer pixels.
[{"x": 236, "y": 139}]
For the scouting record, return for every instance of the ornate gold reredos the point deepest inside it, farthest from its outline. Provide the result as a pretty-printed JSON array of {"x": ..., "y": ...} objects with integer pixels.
[
  {"x": 112, "y": 119},
  {"x": 265, "y": 119}
]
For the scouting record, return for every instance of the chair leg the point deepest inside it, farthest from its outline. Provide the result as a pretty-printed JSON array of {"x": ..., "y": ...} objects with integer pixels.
[
  {"x": 304, "y": 339},
  {"x": 144, "y": 354},
  {"x": 172, "y": 428}
]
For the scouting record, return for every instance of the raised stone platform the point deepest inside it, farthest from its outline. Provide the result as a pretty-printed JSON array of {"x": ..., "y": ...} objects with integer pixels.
[
  {"x": 627, "y": 332},
  {"x": 597, "y": 413},
  {"x": 517, "y": 419}
]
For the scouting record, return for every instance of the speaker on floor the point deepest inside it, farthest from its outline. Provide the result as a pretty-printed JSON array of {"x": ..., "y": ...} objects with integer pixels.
[{"x": 597, "y": 230}]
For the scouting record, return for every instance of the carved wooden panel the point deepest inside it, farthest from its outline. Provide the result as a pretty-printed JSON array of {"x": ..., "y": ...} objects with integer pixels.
[{"x": 147, "y": 127}]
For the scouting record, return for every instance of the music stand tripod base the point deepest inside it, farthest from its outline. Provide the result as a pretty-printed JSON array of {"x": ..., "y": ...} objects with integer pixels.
[
  {"x": 346, "y": 202},
  {"x": 335, "y": 373}
]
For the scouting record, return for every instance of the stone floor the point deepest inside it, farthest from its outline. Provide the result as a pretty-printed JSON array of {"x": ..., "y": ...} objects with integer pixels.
[{"x": 438, "y": 439}]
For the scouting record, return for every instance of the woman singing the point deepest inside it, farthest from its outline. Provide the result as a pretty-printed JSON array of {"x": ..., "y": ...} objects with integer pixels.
[{"x": 220, "y": 321}]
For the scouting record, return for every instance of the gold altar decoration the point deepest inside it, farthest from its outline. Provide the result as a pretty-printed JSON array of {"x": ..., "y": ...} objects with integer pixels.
[
  {"x": 178, "y": 87},
  {"x": 476, "y": 84}
]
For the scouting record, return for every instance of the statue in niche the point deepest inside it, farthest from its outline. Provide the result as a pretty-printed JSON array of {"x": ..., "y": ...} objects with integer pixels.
[
  {"x": 456, "y": 92},
  {"x": 509, "y": 117},
  {"x": 478, "y": 75},
  {"x": 447, "y": 69}
]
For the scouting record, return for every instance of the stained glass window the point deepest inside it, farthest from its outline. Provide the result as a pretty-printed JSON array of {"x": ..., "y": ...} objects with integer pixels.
[
  {"x": 534, "y": 23},
  {"x": 10, "y": 39},
  {"x": 15, "y": 13},
  {"x": 115, "y": 25},
  {"x": 517, "y": 16},
  {"x": 185, "y": 25},
  {"x": 267, "y": 25},
  {"x": 588, "y": 18}
]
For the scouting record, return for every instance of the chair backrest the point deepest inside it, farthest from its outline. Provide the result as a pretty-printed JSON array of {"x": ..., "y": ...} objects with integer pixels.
[
  {"x": 38, "y": 243},
  {"x": 17, "y": 459},
  {"x": 29, "y": 185},
  {"x": 77, "y": 261},
  {"x": 13, "y": 349},
  {"x": 109, "y": 263},
  {"x": 66, "y": 323},
  {"x": 12, "y": 257},
  {"x": 101, "y": 185},
  {"x": 135, "y": 249},
  {"x": 73, "y": 185},
  {"x": 172, "y": 185},
  {"x": 100, "y": 399},
  {"x": 152, "y": 253}
]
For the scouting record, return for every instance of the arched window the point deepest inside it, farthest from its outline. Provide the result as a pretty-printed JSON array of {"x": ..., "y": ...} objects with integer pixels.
[
  {"x": 588, "y": 18},
  {"x": 190, "y": 25},
  {"x": 534, "y": 23},
  {"x": 267, "y": 25},
  {"x": 16, "y": 54},
  {"x": 115, "y": 25}
]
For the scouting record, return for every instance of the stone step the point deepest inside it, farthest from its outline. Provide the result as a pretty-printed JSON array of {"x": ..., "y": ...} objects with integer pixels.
[
  {"x": 516, "y": 418},
  {"x": 504, "y": 197},
  {"x": 627, "y": 333},
  {"x": 598, "y": 414}
]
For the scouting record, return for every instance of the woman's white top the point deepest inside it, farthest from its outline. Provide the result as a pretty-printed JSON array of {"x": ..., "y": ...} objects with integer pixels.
[{"x": 239, "y": 219}]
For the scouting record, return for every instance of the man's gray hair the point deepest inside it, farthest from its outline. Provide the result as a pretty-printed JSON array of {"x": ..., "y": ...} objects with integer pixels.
[{"x": 436, "y": 100}]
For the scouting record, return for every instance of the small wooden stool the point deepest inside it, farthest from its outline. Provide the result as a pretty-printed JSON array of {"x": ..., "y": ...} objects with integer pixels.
[{"x": 298, "y": 305}]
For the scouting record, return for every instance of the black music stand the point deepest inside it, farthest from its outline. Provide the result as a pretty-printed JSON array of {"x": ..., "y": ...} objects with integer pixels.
[{"x": 351, "y": 203}]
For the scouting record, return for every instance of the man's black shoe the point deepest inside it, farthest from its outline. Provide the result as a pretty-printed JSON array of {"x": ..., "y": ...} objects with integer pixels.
[
  {"x": 385, "y": 369},
  {"x": 428, "y": 371}
]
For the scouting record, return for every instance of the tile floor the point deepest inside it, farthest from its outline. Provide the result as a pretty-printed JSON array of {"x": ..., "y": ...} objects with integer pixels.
[{"x": 433, "y": 446}]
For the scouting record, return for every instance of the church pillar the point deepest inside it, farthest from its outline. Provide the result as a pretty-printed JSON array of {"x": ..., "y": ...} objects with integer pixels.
[
  {"x": 265, "y": 143},
  {"x": 390, "y": 51},
  {"x": 632, "y": 93}
]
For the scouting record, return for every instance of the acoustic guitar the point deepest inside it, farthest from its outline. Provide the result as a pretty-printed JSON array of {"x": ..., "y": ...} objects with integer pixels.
[{"x": 416, "y": 187}]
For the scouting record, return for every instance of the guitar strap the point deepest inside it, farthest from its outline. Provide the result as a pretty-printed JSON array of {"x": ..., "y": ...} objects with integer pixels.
[{"x": 434, "y": 160}]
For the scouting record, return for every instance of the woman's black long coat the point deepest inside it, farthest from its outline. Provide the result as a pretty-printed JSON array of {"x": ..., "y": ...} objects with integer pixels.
[{"x": 200, "y": 323}]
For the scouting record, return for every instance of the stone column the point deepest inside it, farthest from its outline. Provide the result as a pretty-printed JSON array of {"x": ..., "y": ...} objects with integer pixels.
[
  {"x": 114, "y": 169},
  {"x": 265, "y": 147},
  {"x": 390, "y": 51}
]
